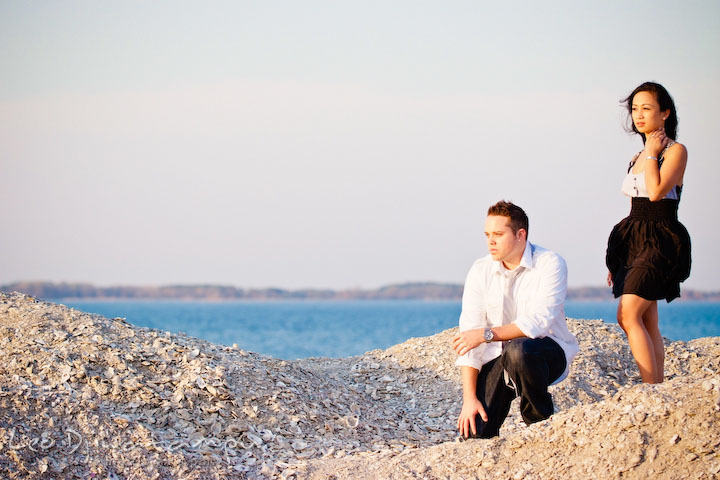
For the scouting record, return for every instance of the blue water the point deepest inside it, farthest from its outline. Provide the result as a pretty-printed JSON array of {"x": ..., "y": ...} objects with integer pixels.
[{"x": 301, "y": 329}]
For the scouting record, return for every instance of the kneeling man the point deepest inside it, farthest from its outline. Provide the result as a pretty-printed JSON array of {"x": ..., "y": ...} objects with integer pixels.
[{"x": 513, "y": 338}]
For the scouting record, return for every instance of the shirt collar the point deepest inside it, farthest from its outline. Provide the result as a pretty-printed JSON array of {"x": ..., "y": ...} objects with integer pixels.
[
  {"x": 526, "y": 261},
  {"x": 527, "y": 258}
]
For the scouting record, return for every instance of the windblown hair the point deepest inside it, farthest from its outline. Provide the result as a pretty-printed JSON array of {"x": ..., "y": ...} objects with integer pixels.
[
  {"x": 518, "y": 217},
  {"x": 664, "y": 100}
]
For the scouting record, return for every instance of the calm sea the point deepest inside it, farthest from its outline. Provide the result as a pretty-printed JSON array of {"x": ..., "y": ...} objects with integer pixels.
[{"x": 300, "y": 329}]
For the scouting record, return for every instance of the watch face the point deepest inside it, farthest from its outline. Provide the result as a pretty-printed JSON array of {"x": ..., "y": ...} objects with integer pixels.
[{"x": 489, "y": 335}]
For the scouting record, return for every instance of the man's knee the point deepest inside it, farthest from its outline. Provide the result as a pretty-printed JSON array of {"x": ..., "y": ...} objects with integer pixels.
[{"x": 517, "y": 353}]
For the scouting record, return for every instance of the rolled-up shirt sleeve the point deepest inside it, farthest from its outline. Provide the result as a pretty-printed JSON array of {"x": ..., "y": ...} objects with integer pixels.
[
  {"x": 548, "y": 303},
  {"x": 473, "y": 316}
]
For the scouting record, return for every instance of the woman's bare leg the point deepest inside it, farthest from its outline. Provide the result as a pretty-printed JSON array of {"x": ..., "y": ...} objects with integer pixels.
[
  {"x": 650, "y": 319},
  {"x": 631, "y": 312}
]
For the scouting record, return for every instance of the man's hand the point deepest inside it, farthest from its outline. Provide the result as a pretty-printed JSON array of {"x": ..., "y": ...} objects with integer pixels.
[
  {"x": 465, "y": 341},
  {"x": 470, "y": 408}
]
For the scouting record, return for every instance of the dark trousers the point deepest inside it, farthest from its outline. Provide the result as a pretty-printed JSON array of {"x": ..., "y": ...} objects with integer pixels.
[{"x": 532, "y": 365}]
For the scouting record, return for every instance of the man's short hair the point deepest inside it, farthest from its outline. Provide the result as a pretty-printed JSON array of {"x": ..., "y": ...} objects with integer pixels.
[{"x": 518, "y": 217}]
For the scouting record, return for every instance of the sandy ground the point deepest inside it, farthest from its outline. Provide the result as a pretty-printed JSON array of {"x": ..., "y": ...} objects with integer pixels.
[{"x": 82, "y": 396}]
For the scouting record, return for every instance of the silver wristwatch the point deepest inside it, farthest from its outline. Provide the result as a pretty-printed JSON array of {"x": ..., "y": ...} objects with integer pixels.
[{"x": 488, "y": 335}]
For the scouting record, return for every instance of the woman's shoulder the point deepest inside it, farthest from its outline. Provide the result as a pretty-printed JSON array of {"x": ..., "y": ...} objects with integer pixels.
[{"x": 676, "y": 148}]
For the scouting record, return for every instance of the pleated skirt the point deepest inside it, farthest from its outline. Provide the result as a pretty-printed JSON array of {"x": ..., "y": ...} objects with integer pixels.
[{"x": 648, "y": 252}]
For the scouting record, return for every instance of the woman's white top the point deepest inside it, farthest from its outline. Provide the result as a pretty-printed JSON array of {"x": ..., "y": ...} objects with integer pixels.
[{"x": 634, "y": 183}]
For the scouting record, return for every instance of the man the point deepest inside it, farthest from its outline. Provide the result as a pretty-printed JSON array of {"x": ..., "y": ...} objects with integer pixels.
[{"x": 513, "y": 338}]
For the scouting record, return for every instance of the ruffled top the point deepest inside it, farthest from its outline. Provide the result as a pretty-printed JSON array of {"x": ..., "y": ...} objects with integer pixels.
[{"x": 634, "y": 183}]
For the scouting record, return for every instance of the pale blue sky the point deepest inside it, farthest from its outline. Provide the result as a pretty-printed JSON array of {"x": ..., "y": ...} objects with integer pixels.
[{"x": 335, "y": 144}]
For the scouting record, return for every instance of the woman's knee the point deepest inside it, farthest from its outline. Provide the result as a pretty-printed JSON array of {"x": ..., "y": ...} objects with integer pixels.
[
  {"x": 631, "y": 310},
  {"x": 620, "y": 321},
  {"x": 623, "y": 321},
  {"x": 629, "y": 319}
]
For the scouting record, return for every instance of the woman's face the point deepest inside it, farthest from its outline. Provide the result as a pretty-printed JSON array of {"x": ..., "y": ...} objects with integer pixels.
[{"x": 646, "y": 113}]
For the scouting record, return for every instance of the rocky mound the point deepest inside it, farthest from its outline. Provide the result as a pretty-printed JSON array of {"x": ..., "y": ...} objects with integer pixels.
[{"x": 82, "y": 396}]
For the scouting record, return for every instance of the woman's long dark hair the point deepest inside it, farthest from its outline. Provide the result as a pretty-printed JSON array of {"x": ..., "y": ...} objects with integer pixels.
[{"x": 666, "y": 103}]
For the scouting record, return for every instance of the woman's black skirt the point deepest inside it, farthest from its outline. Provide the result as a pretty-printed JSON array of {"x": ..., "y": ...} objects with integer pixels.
[{"x": 648, "y": 252}]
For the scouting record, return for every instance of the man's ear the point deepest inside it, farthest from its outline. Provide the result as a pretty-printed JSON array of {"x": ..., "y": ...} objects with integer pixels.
[{"x": 521, "y": 234}]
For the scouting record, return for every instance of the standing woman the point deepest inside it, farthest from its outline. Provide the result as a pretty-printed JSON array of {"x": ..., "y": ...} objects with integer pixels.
[{"x": 648, "y": 253}]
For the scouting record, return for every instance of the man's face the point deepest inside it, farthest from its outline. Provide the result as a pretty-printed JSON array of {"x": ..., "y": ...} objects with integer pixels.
[{"x": 503, "y": 244}]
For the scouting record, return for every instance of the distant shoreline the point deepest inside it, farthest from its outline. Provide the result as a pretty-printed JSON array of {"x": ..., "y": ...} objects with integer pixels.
[{"x": 404, "y": 291}]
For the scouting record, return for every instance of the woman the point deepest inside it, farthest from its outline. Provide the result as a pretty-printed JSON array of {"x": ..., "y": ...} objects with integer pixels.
[{"x": 648, "y": 252}]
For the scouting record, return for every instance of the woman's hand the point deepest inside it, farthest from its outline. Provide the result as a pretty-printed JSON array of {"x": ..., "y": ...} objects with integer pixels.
[
  {"x": 609, "y": 280},
  {"x": 655, "y": 142}
]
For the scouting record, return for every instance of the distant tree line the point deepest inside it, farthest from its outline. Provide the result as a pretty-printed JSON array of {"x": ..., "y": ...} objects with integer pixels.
[
  {"x": 64, "y": 291},
  {"x": 404, "y": 291}
]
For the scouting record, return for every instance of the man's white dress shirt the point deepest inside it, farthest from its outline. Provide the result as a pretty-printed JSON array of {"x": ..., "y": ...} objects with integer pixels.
[{"x": 532, "y": 296}]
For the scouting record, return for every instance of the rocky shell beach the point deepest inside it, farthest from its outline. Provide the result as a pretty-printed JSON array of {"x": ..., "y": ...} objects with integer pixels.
[{"x": 82, "y": 396}]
